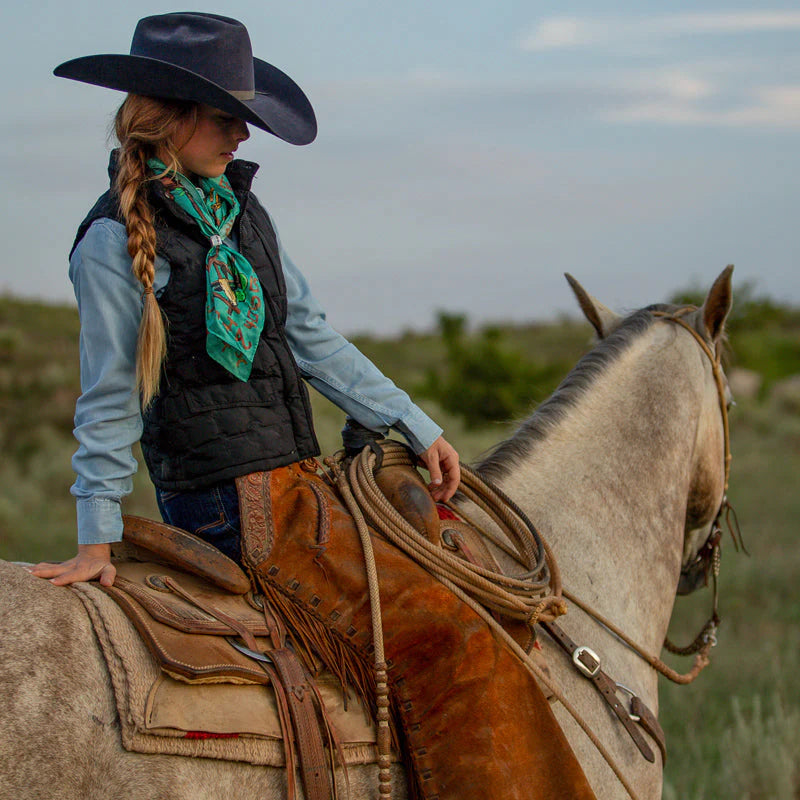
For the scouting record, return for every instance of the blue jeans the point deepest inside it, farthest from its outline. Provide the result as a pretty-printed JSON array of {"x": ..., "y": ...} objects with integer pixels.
[{"x": 211, "y": 513}]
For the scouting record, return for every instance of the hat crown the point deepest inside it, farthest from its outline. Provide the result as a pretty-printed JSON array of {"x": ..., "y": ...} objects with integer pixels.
[{"x": 218, "y": 48}]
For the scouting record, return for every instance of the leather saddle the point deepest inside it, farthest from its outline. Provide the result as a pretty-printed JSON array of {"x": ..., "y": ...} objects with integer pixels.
[
  {"x": 196, "y": 611},
  {"x": 197, "y": 614}
]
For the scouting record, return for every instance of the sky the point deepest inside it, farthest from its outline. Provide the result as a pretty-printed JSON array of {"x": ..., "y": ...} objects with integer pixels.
[{"x": 469, "y": 153}]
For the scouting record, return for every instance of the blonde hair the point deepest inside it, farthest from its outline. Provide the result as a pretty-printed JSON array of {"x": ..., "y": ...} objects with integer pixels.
[{"x": 147, "y": 127}]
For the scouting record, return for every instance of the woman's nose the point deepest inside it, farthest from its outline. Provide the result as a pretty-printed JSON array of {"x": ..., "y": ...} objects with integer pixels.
[{"x": 242, "y": 132}]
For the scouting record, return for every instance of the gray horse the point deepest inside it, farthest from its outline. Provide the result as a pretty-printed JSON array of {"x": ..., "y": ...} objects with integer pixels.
[{"x": 622, "y": 471}]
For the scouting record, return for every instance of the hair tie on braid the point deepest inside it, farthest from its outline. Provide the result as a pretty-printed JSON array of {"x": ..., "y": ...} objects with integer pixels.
[{"x": 147, "y": 290}]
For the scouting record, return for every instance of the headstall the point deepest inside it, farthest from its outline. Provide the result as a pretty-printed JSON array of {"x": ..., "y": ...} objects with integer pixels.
[{"x": 706, "y": 563}]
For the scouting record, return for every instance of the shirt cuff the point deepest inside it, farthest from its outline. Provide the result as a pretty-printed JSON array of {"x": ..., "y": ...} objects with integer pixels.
[
  {"x": 419, "y": 430},
  {"x": 99, "y": 521}
]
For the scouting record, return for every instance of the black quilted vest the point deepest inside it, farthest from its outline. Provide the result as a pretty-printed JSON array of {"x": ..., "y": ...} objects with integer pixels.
[{"x": 205, "y": 425}]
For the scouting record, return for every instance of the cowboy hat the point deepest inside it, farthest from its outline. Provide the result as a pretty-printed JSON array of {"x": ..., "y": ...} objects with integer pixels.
[{"x": 204, "y": 58}]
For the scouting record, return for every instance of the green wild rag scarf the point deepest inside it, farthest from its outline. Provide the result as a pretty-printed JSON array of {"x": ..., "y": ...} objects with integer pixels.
[{"x": 234, "y": 300}]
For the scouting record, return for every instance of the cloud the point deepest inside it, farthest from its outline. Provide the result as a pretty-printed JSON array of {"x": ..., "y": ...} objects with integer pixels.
[
  {"x": 712, "y": 94},
  {"x": 650, "y": 79},
  {"x": 771, "y": 106},
  {"x": 673, "y": 83},
  {"x": 573, "y": 32}
]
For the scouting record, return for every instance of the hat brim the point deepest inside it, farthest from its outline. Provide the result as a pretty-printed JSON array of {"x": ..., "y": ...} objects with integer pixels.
[{"x": 279, "y": 107}]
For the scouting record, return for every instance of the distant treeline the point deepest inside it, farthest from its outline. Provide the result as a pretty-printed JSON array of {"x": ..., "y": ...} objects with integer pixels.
[{"x": 487, "y": 377}]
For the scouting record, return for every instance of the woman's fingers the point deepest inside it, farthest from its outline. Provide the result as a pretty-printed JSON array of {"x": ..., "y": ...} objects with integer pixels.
[
  {"x": 108, "y": 574},
  {"x": 103, "y": 571},
  {"x": 442, "y": 462},
  {"x": 50, "y": 569},
  {"x": 93, "y": 561},
  {"x": 434, "y": 469},
  {"x": 452, "y": 474}
]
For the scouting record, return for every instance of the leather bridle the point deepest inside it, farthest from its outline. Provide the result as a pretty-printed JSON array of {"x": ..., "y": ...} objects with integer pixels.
[
  {"x": 706, "y": 562},
  {"x": 715, "y": 357}
]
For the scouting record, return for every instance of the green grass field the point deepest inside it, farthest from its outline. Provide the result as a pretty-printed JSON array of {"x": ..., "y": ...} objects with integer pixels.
[{"x": 732, "y": 735}]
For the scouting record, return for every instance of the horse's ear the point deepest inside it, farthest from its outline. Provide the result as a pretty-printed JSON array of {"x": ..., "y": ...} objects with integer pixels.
[
  {"x": 717, "y": 305},
  {"x": 603, "y": 319}
]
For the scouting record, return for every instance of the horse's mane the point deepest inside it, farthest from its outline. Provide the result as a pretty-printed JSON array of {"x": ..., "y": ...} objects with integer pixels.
[{"x": 499, "y": 462}]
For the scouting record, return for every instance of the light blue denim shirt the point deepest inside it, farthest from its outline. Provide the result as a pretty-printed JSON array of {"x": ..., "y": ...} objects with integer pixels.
[{"x": 108, "y": 419}]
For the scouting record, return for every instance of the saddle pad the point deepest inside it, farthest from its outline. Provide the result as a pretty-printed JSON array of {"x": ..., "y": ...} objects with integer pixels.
[{"x": 161, "y": 715}]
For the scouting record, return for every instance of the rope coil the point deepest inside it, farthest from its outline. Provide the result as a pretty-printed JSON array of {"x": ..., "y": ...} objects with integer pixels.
[{"x": 535, "y": 594}]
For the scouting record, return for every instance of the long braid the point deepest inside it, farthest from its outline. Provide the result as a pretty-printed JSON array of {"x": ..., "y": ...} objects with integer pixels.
[
  {"x": 146, "y": 127},
  {"x": 151, "y": 346}
]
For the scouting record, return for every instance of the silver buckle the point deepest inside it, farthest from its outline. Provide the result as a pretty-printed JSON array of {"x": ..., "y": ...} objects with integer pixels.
[
  {"x": 586, "y": 670},
  {"x": 710, "y": 637}
]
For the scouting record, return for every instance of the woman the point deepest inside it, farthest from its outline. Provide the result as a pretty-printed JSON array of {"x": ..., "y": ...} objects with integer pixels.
[
  {"x": 228, "y": 369},
  {"x": 217, "y": 398}
]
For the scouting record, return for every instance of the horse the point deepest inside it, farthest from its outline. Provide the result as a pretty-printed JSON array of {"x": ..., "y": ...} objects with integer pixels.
[{"x": 623, "y": 471}]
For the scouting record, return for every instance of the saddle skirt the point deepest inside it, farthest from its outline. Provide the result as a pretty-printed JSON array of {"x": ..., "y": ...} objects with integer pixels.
[{"x": 181, "y": 688}]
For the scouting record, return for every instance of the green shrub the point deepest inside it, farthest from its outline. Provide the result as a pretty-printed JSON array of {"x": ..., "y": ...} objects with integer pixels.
[
  {"x": 761, "y": 750},
  {"x": 485, "y": 380}
]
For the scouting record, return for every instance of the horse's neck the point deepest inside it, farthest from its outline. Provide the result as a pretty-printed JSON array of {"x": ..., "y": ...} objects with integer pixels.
[{"x": 607, "y": 486}]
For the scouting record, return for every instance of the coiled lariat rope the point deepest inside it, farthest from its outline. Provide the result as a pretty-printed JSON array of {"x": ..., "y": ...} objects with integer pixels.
[
  {"x": 527, "y": 597},
  {"x": 531, "y": 597}
]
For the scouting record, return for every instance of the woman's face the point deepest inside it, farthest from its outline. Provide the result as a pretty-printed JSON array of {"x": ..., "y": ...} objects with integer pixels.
[{"x": 210, "y": 144}]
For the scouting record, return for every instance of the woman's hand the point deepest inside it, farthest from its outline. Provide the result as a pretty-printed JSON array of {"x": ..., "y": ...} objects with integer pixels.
[
  {"x": 92, "y": 561},
  {"x": 441, "y": 461}
]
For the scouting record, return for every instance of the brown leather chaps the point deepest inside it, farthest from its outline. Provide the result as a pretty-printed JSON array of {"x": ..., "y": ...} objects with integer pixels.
[{"x": 475, "y": 721}]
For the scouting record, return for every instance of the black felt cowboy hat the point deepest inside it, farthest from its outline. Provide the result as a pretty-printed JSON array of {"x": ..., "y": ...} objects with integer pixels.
[{"x": 207, "y": 59}]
